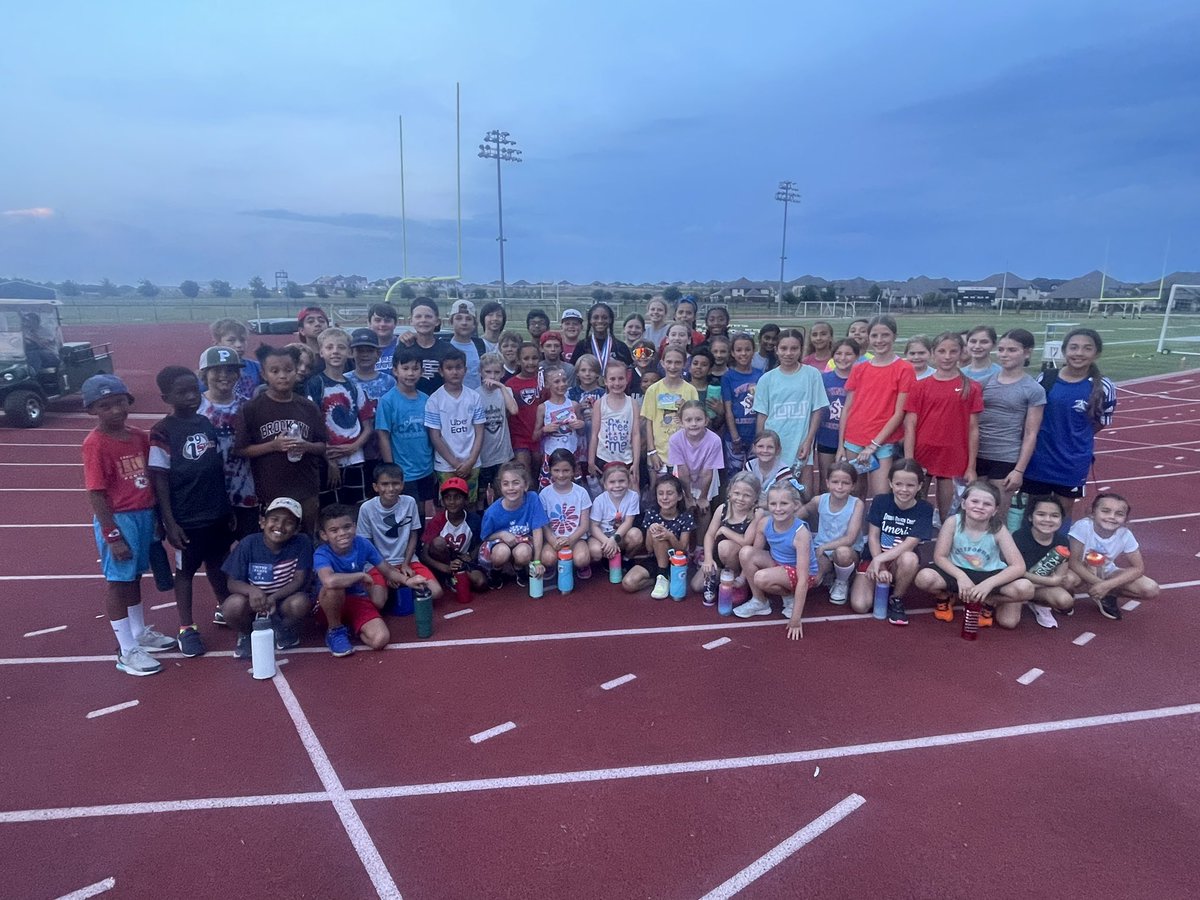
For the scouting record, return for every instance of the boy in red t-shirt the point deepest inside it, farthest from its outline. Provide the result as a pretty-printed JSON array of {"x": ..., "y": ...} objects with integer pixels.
[{"x": 123, "y": 503}]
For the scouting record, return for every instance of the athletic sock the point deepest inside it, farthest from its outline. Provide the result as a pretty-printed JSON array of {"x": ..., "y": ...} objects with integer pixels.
[
  {"x": 842, "y": 573},
  {"x": 137, "y": 621},
  {"x": 124, "y": 635}
]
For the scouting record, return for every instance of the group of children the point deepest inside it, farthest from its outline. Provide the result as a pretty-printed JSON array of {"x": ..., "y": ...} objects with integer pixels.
[{"x": 782, "y": 463}]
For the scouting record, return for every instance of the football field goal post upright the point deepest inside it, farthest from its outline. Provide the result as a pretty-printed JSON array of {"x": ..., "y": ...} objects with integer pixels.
[
  {"x": 1176, "y": 289},
  {"x": 405, "y": 277}
]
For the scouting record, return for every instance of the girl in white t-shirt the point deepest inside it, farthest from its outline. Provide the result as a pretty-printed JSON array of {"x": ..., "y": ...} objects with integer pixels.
[
  {"x": 614, "y": 516},
  {"x": 558, "y": 422},
  {"x": 568, "y": 508},
  {"x": 1097, "y": 545}
]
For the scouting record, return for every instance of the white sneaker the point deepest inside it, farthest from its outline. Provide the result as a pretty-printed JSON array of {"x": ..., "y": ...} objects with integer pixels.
[
  {"x": 1044, "y": 615},
  {"x": 662, "y": 587},
  {"x": 154, "y": 642},
  {"x": 787, "y": 608},
  {"x": 138, "y": 662},
  {"x": 753, "y": 607},
  {"x": 838, "y": 591}
]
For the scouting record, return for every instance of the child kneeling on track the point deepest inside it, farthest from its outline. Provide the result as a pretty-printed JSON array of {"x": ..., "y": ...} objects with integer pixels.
[
  {"x": 897, "y": 522},
  {"x": 976, "y": 558},
  {"x": 568, "y": 513},
  {"x": 450, "y": 542},
  {"x": 668, "y": 526},
  {"x": 391, "y": 522},
  {"x": 1046, "y": 550},
  {"x": 268, "y": 575},
  {"x": 735, "y": 524},
  {"x": 614, "y": 516},
  {"x": 1097, "y": 544},
  {"x": 839, "y": 539},
  {"x": 351, "y": 593},
  {"x": 512, "y": 527},
  {"x": 776, "y": 570}
]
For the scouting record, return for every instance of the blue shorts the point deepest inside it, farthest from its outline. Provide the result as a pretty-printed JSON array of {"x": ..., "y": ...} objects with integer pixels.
[
  {"x": 137, "y": 528},
  {"x": 885, "y": 451}
]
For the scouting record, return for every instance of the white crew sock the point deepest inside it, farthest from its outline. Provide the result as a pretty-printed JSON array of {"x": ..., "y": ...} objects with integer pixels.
[
  {"x": 124, "y": 635},
  {"x": 843, "y": 573},
  {"x": 137, "y": 621}
]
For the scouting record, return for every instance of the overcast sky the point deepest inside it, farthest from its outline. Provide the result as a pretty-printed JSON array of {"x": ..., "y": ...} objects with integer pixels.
[{"x": 228, "y": 139}]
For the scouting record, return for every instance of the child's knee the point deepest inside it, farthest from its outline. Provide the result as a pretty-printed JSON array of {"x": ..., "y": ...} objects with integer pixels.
[
  {"x": 375, "y": 634},
  {"x": 501, "y": 554},
  {"x": 297, "y": 606},
  {"x": 844, "y": 556},
  {"x": 549, "y": 557},
  {"x": 745, "y": 555},
  {"x": 928, "y": 580},
  {"x": 522, "y": 555},
  {"x": 907, "y": 562},
  {"x": 1147, "y": 588},
  {"x": 582, "y": 554}
]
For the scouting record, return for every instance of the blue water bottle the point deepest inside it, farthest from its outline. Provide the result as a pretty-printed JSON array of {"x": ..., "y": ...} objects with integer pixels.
[
  {"x": 566, "y": 570},
  {"x": 536, "y": 584},
  {"x": 678, "y": 574},
  {"x": 882, "y": 593}
]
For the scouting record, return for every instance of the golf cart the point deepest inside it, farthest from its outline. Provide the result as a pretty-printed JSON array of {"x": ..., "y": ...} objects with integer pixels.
[{"x": 35, "y": 365}]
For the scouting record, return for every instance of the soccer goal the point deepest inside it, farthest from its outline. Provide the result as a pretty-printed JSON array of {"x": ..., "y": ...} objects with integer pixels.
[{"x": 1181, "y": 321}]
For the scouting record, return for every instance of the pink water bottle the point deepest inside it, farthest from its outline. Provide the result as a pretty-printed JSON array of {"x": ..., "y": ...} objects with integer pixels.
[
  {"x": 970, "y": 625},
  {"x": 614, "y": 569}
]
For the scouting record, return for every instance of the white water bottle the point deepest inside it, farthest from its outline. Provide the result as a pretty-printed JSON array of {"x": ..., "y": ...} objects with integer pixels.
[
  {"x": 262, "y": 649},
  {"x": 294, "y": 431}
]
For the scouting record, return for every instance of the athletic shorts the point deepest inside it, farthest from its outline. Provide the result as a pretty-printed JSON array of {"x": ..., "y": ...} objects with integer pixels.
[
  {"x": 952, "y": 584},
  {"x": 827, "y": 450},
  {"x": 357, "y": 611},
  {"x": 993, "y": 468},
  {"x": 487, "y": 478},
  {"x": 208, "y": 543},
  {"x": 137, "y": 528},
  {"x": 1036, "y": 488},
  {"x": 418, "y": 568},
  {"x": 885, "y": 451},
  {"x": 794, "y": 576},
  {"x": 472, "y": 483},
  {"x": 421, "y": 489}
]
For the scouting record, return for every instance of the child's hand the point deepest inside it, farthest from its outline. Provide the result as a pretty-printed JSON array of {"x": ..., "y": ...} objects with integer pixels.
[
  {"x": 176, "y": 536},
  {"x": 332, "y": 453},
  {"x": 709, "y": 567},
  {"x": 456, "y": 564},
  {"x": 1099, "y": 589},
  {"x": 491, "y": 384},
  {"x": 395, "y": 579},
  {"x": 260, "y": 602},
  {"x": 334, "y": 475},
  {"x": 462, "y": 470},
  {"x": 366, "y": 579},
  {"x": 407, "y": 571},
  {"x": 702, "y": 505},
  {"x": 611, "y": 548},
  {"x": 120, "y": 551},
  {"x": 795, "y": 630}
]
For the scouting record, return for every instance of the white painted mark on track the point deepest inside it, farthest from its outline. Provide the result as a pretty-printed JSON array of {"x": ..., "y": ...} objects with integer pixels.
[
  {"x": 92, "y": 890},
  {"x": 97, "y": 713},
  {"x": 1083, "y": 639},
  {"x": 780, "y": 852},
  {"x": 45, "y": 631},
  {"x": 278, "y": 662},
  {"x": 163, "y": 605},
  {"x": 1031, "y": 676},
  {"x": 719, "y": 642},
  {"x": 617, "y": 682},
  {"x": 490, "y": 733},
  {"x": 458, "y": 612},
  {"x": 1131, "y": 605}
]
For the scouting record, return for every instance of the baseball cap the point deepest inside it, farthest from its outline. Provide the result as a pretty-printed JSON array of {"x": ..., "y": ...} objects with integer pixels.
[
  {"x": 308, "y": 311},
  {"x": 219, "y": 356},
  {"x": 462, "y": 306},
  {"x": 287, "y": 503},
  {"x": 102, "y": 385},
  {"x": 549, "y": 336},
  {"x": 363, "y": 337},
  {"x": 455, "y": 484},
  {"x": 571, "y": 314}
]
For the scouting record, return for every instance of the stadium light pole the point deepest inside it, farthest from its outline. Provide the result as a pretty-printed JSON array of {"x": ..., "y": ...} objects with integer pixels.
[
  {"x": 498, "y": 146},
  {"x": 787, "y": 193}
]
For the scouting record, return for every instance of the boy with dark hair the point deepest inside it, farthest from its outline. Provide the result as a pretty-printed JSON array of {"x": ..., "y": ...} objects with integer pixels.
[
  {"x": 189, "y": 480},
  {"x": 400, "y": 424},
  {"x": 451, "y": 540},
  {"x": 350, "y": 593},
  {"x": 348, "y": 423},
  {"x": 374, "y": 384},
  {"x": 283, "y": 435},
  {"x": 121, "y": 495},
  {"x": 463, "y": 338},
  {"x": 381, "y": 319},
  {"x": 538, "y": 322},
  {"x": 268, "y": 575},
  {"x": 424, "y": 341},
  {"x": 311, "y": 321},
  {"x": 232, "y": 333},
  {"x": 454, "y": 419},
  {"x": 391, "y": 522}
]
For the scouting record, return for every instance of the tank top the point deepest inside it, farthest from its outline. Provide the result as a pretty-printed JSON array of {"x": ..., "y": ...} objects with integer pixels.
[
  {"x": 782, "y": 545},
  {"x": 554, "y": 417},
  {"x": 833, "y": 525},
  {"x": 735, "y": 527},
  {"x": 977, "y": 554},
  {"x": 615, "y": 443}
]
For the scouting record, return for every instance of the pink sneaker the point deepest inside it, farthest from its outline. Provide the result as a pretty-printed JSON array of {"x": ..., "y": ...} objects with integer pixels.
[{"x": 584, "y": 573}]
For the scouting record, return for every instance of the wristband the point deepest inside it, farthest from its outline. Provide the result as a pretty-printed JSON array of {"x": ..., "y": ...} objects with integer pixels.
[
  {"x": 652, "y": 453},
  {"x": 874, "y": 444},
  {"x": 113, "y": 536}
]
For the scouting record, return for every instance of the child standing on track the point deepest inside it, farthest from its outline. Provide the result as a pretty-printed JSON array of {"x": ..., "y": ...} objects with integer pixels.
[
  {"x": 189, "y": 480},
  {"x": 526, "y": 387},
  {"x": 498, "y": 404},
  {"x": 1098, "y": 544},
  {"x": 1013, "y": 404},
  {"x": 775, "y": 570},
  {"x": 122, "y": 498},
  {"x": 976, "y": 559},
  {"x": 738, "y": 385},
  {"x": 980, "y": 341},
  {"x": 917, "y": 351},
  {"x": 696, "y": 458},
  {"x": 454, "y": 420},
  {"x": 660, "y": 409},
  {"x": 219, "y": 371},
  {"x": 400, "y": 424},
  {"x": 941, "y": 421},
  {"x": 557, "y": 424},
  {"x": 373, "y": 383},
  {"x": 789, "y": 400},
  {"x": 845, "y": 353},
  {"x": 839, "y": 538},
  {"x": 232, "y": 334},
  {"x": 348, "y": 422},
  {"x": 616, "y": 420}
]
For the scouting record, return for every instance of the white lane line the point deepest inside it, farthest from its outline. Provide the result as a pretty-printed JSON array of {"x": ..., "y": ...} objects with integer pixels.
[
  {"x": 1178, "y": 584},
  {"x": 162, "y": 606},
  {"x": 97, "y": 713},
  {"x": 45, "y": 631},
  {"x": 43, "y": 465},
  {"x": 92, "y": 890},
  {"x": 39, "y": 446},
  {"x": 47, "y": 577},
  {"x": 68, "y": 525},
  {"x": 591, "y": 775},
  {"x": 1149, "y": 477},
  {"x": 278, "y": 662},
  {"x": 364, "y": 846},
  {"x": 719, "y": 642},
  {"x": 458, "y": 612},
  {"x": 617, "y": 682},
  {"x": 1160, "y": 466},
  {"x": 1131, "y": 605},
  {"x": 780, "y": 852},
  {"x": 1031, "y": 676},
  {"x": 1083, "y": 639},
  {"x": 492, "y": 732},
  {"x": 1165, "y": 518},
  {"x": 42, "y": 490}
]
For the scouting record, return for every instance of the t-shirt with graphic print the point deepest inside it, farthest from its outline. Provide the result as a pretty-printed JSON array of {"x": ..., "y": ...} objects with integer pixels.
[
  {"x": 186, "y": 448},
  {"x": 253, "y": 562},
  {"x": 344, "y": 407},
  {"x": 565, "y": 510},
  {"x": 239, "y": 480}
]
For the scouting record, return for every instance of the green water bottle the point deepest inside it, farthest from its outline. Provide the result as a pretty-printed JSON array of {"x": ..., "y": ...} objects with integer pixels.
[{"x": 423, "y": 611}]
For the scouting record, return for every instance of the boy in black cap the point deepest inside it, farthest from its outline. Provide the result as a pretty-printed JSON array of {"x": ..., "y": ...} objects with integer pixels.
[{"x": 364, "y": 347}]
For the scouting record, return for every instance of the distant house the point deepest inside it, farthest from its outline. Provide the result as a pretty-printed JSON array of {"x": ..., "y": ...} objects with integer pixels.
[
  {"x": 23, "y": 290},
  {"x": 744, "y": 289}
]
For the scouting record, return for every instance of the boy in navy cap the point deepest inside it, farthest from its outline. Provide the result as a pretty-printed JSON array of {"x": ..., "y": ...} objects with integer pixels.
[{"x": 364, "y": 347}]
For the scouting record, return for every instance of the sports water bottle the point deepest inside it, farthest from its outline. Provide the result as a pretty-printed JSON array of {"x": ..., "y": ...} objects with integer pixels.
[
  {"x": 882, "y": 593},
  {"x": 462, "y": 587},
  {"x": 678, "y": 574},
  {"x": 566, "y": 570},
  {"x": 294, "y": 431},
  {"x": 614, "y": 569},
  {"x": 1051, "y": 561},
  {"x": 160, "y": 565},
  {"x": 423, "y": 610},
  {"x": 262, "y": 649},
  {"x": 725, "y": 593},
  {"x": 970, "y": 626},
  {"x": 1016, "y": 510},
  {"x": 536, "y": 584}
]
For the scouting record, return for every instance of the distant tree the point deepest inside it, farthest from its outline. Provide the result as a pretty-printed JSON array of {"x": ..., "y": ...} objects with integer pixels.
[
  {"x": 69, "y": 289},
  {"x": 479, "y": 294},
  {"x": 321, "y": 292},
  {"x": 294, "y": 291},
  {"x": 147, "y": 288},
  {"x": 809, "y": 294},
  {"x": 932, "y": 299},
  {"x": 351, "y": 291},
  {"x": 874, "y": 293},
  {"x": 189, "y": 289},
  {"x": 108, "y": 289},
  {"x": 790, "y": 296},
  {"x": 829, "y": 294},
  {"x": 220, "y": 288},
  {"x": 671, "y": 294},
  {"x": 258, "y": 288},
  {"x": 407, "y": 292},
  {"x": 647, "y": 296}
]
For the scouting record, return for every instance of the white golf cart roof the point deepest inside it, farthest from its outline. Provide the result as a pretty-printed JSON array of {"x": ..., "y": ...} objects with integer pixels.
[{"x": 4, "y": 302}]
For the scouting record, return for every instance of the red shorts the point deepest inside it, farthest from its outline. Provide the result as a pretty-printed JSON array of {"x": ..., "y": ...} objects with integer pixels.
[
  {"x": 357, "y": 611},
  {"x": 418, "y": 569},
  {"x": 794, "y": 577}
]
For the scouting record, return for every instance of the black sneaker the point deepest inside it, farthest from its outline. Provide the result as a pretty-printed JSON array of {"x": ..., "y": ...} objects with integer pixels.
[
  {"x": 219, "y": 617},
  {"x": 523, "y": 577},
  {"x": 242, "y": 650},
  {"x": 494, "y": 581},
  {"x": 286, "y": 638},
  {"x": 1108, "y": 607},
  {"x": 897, "y": 615}
]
